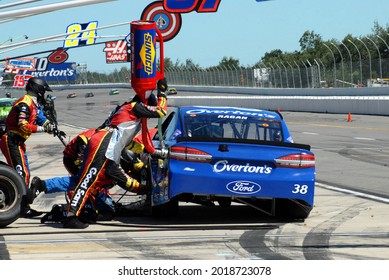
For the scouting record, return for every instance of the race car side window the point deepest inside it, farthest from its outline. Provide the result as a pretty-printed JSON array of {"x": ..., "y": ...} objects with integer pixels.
[{"x": 169, "y": 125}]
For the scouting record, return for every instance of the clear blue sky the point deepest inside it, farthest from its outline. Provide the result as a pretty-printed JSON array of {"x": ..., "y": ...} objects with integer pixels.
[{"x": 242, "y": 29}]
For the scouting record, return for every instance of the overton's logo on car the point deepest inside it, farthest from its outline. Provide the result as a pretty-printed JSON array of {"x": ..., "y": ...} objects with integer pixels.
[{"x": 243, "y": 187}]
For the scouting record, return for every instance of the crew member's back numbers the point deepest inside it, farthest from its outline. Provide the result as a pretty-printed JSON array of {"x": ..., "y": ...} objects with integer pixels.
[{"x": 81, "y": 34}]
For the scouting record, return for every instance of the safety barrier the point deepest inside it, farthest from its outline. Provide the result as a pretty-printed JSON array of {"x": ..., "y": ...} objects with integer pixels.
[{"x": 366, "y": 101}]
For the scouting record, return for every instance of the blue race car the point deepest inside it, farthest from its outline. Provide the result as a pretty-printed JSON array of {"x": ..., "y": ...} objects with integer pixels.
[{"x": 223, "y": 155}]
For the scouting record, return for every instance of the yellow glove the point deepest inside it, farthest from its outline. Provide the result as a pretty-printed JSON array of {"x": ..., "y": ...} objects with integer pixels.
[
  {"x": 132, "y": 184},
  {"x": 138, "y": 165}
]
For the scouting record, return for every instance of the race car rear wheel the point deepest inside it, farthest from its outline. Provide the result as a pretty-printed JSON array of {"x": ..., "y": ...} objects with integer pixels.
[
  {"x": 168, "y": 209},
  {"x": 12, "y": 191},
  {"x": 291, "y": 208},
  {"x": 224, "y": 201}
]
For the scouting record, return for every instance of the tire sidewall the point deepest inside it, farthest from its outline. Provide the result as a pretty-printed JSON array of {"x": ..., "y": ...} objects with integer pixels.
[{"x": 11, "y": 183}]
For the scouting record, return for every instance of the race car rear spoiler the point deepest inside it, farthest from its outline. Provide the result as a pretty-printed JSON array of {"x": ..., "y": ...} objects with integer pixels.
[{"x": 246, "y": 141}]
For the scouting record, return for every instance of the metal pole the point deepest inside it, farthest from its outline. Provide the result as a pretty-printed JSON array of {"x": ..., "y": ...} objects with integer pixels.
[
  {"x": 286, "y": 75},
  {"x": 368, "y": 52},
  {"x": 279, "y": 69},
  {"x": 341, "y": 57},
  {"x": 318, "y": 66},
  {"x": 267, "y": 74},
  {"x": 379, "y": 54},
  {"x": 298, "y": 67},
  {"x": 312, "y": 76},
  {"x": 387, "y": 46},
  {"x": 294, "y": 84},
  {"x": 324, "y": 69},
  {"x": 14, "y": 39},
  {"x": 333, "y": 56},
  {"x": 274, "y": 75},
  {"x": 351, "y": 62},
  {"x": 306, "y": 71},
  {"x": 360, "y": 58}
]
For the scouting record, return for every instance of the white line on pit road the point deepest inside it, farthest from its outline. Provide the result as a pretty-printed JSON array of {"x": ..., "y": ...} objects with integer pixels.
[
  {"x": 364, "y": 138},
  {"x": 359, "y": 194}
]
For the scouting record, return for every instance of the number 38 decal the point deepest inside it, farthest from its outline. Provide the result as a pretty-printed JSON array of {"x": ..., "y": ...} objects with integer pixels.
[
  {"x": 81, "y": 34},
  {"x": 301, "y": 189}
]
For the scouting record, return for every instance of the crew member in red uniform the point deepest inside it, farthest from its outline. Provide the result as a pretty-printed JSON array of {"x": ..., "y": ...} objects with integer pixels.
[
  {"x": 101, "y": 166},
  {"x": 26, "y": 117}
]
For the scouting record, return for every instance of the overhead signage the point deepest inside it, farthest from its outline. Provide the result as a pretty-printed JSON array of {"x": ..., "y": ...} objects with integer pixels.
[
  {"x": 81, "y": 34},
  {"x": 187, "y": 6},
  {"x": 116, "y": 51},
  {"x": 53, "y": 71},
  {"x": 169, "y": 24},
  {"x": 20, "y": 64}
]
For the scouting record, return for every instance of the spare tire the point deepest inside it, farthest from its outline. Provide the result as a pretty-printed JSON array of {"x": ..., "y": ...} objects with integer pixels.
[{"x": 12, "y": 193}]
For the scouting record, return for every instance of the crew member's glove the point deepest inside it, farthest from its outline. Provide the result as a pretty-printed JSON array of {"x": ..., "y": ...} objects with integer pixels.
[
  {"x": 49, "y": 128},
  {"x": 161, "y": 88},
  {"x": 161, "y": 153},
  {"x": 138, "y": 164},
  {"x": 61, "y": 134},
  {"x": 162, "y": 85},
  {"x": 132, "y": 184}
]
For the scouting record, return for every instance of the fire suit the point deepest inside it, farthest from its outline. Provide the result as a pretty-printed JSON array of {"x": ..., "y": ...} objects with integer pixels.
[
  {"x": 26, "y": 117},
  {"x": 72, "y": 159},
  {"x": 101, "y": 161}
]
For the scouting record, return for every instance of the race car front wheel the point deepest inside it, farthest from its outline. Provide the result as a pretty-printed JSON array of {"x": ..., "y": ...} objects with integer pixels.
[{"x": 12, "y": 191}]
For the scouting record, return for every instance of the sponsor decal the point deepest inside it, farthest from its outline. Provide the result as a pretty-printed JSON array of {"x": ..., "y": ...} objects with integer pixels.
[
  {"x": 77, "y": 196},
  {"x": 289, "y": 139},
  {"x": 232, "y": 113},
  {"x": 54, "y": 72},
  {"x": 80, "y": 34},
  {"x": 83, "y": 187},
  {"x": 116, "y": 51},
  {"x": 231, "y": 117},
  {"x": 19, "y": 169},
  {"x": 224, "y": 166},
  {"x": 20, "y": 81},
  {"x": 169, "y": 24},
  {"x": 189, "y": 169},
  {"x": 187, "y": 6},
  {"x": 147, "y": 53},
  {"x": 243, "y": 187},
  {"x": 20, "y": 64}
]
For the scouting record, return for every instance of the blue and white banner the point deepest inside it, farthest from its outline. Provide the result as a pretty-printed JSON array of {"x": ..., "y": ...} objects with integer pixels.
[{"x": 55, "y": 72}]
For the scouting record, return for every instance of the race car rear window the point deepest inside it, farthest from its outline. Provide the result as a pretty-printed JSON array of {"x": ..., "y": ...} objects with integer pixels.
[
  {"x": 6, "y": 104},
  {"x": 250, "y": 128}
]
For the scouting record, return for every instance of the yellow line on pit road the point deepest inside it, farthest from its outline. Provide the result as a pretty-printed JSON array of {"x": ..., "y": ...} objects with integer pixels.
[{"x": 341, "y": 126}]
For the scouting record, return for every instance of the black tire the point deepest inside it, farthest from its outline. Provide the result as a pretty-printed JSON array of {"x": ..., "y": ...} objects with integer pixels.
[
  {"x": 292, "y": 209},
  {"x": 12, "y": 193},
  {"x": 168, "y": 209},
  {"x": 224, "y": 201}
]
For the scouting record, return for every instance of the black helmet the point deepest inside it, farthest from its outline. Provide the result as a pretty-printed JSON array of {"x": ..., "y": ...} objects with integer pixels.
[
  {"x": 152, "y": 101},
  {"x": 39, "y": 87}
]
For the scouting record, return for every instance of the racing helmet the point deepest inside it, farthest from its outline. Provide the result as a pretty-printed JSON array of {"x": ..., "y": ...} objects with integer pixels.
[
  {"x": 83, "y": 139},
  {"x": 82, "y": 143},
  {"x": 37, "y": 87}
]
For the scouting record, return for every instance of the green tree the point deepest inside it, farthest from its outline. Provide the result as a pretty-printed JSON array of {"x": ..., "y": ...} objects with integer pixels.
[
  {"x": 309, "y": 41},
  {"x": 229, "y": 63}
]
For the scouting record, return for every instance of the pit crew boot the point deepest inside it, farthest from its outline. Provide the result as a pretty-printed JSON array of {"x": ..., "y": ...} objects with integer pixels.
[
  {"x": 36, "y": 187},
  {"x": 74, "y": 222}
]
